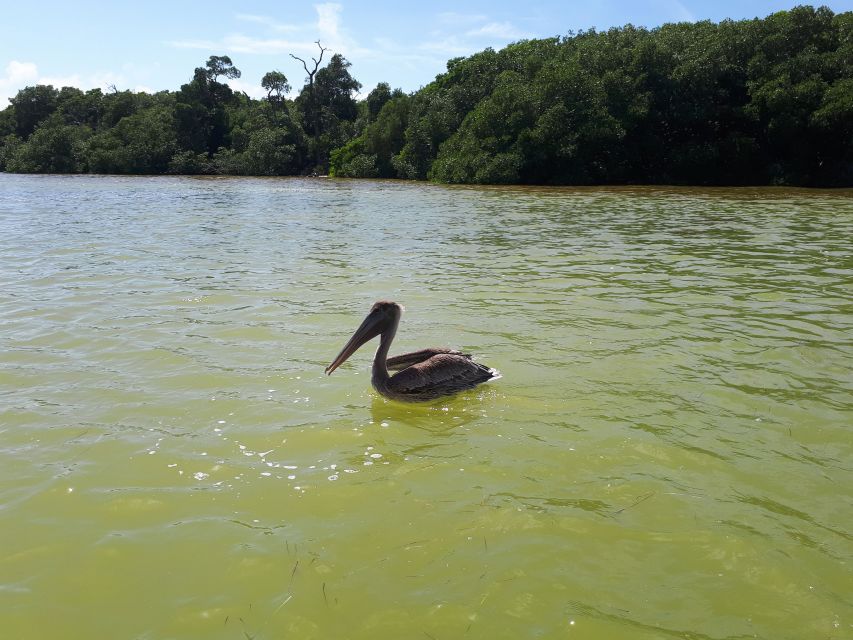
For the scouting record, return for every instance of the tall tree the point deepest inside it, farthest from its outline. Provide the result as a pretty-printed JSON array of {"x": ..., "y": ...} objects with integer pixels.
[
  {"x": 275, "y": 82},
  {"x": 334, "y": 88},
  {"x": 201, "y": 119},
  {"x": 329, "y": 107},
  {"x": 221, "y": 66},
  {"x": 312, "y": 110}
]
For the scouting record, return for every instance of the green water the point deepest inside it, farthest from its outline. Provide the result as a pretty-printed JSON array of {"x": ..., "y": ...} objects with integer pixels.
[{"x": 667, "y": 455}]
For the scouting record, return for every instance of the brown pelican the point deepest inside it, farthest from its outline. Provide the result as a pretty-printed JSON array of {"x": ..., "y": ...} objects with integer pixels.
[{"x": 422, "y": 375}]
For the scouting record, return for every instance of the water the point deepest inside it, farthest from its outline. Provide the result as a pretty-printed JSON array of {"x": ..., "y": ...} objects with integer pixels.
[{"x": 668, "y": 454}]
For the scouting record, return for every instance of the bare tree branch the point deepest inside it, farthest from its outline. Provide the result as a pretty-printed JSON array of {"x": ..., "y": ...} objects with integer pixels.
[
  {"x": 313, "y": 108},
  {"x": 315, "y": 60}
]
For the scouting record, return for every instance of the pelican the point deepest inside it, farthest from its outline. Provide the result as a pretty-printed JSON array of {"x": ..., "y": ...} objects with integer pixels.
[{"x": 421, "y": 375}]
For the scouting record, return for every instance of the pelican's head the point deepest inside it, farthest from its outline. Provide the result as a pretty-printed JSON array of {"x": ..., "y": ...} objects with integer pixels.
[
  {"x": 383, "y": 314},
  {"x": 387, "y": 307}
]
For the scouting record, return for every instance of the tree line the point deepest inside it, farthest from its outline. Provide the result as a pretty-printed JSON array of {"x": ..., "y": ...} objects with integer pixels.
[
  {"x": 762, "y": 101},
  {"x": 204, "y": 128}
]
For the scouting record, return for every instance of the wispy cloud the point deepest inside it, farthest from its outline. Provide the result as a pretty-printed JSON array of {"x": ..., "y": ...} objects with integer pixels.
[
  {"x": 500, "y": 30},
  {"x": 448, "y": 47},
  {"x": 327, "y": 28},
  {"x": 241, "y": 43},
  {"x": 270, "y": 23},
  {"x": 329, "y": 20},
  {"x": 680, "y": 11},
  {"x": 456, "y": 34},
  {"x": 246, "y": 44},
  {"x": 446, "y": 35},
  {"x": 282, "y": 39},
  {"x": 463, "y": 34}
]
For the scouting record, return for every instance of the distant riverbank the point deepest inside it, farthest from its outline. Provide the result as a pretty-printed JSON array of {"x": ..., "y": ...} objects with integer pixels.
[{"x": 752, "y": 102}]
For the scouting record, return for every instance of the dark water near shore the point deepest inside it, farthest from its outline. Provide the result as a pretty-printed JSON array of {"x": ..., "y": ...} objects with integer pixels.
[{"x": 668, "y": 454}]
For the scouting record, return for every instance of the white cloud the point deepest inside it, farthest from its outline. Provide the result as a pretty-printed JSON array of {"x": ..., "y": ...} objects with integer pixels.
[
  {"x": 18, "y": 71},
  {"x": 447, "y": 35},
  {"x": 329, "y": 20},
  {"x": 464, "y": 34},
  {"x": 268, "y": 22},
  {"x": 241, "y": 43},
  {"x": 17, "y": 76},
  {"x": 253, "y": 90},
  {"x": 328, "y": 28}
]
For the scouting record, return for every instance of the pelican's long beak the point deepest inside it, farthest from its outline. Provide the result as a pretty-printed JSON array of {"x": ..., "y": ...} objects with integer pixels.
[{"x": 369, "y": 329}]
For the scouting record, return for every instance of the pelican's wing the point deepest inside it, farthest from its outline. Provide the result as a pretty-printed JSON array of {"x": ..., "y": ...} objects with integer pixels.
[
  {"x": 404, "y": 360},
  {"x": 440, "y": 375}
]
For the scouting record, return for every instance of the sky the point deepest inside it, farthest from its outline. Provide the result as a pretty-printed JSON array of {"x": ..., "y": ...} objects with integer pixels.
[{"x": 156, "y": 45}]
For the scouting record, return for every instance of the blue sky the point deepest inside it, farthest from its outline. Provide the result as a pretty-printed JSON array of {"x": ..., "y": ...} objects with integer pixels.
[{"x": 155, "y": 45}]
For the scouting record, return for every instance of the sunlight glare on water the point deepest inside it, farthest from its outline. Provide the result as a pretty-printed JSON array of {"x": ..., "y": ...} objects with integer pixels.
[{"x": 667, "y": 454}]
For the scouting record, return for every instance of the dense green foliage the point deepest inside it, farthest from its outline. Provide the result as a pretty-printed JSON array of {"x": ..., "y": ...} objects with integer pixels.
[
  {"x": 205, "y": 127},
  {"x": 749, "y": 102}
]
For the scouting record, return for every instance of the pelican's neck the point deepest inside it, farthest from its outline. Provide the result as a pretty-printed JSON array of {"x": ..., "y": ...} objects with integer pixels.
[{"x": 380, "y": 369}]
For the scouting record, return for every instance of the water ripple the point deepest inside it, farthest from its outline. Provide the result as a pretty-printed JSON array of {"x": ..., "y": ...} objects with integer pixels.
[{"x": 673, "y": 416}]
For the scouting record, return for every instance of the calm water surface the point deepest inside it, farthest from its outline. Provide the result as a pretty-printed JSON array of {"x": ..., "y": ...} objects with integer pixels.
[{"x": 668, "y": 454}]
